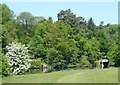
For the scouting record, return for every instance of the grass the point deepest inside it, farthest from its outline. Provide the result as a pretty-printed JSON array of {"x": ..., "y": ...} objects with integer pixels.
[
  {"x": 0, "y": 80},
  {"x": 109, "y": 75}
]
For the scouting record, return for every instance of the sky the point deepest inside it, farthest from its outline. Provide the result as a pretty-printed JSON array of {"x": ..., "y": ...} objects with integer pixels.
[{"x": 99, "y": 11}]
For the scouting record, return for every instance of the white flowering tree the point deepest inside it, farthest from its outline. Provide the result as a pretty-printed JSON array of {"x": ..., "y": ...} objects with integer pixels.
[{"x": 18, "y": 58}]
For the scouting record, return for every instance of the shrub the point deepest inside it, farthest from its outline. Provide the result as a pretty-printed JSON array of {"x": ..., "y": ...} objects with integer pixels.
[
  {"x": 97, "y": 63},
  {"x": 18, "y": 58},
  {"x": 36, "y": 66},
  {"x": 84, "y": 63},
  {"x": 36, "y": 63},
  {"x": 4, "y": 66}
]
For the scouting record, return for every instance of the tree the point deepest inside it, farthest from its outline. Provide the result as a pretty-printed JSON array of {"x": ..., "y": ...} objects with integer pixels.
[
  {"x": 101, "y": 25},
  {"x": 112, "y": 44},
  {"x": 8, "y": 33},
  {"x": 18, "y": 58},
  {"x": 7, "y": 26},
  {"x": 7, "y": 14},
  {"x": 68, "y": 17},
  {"x": 25, "y": 18},
  {"x": 38, "y": 44},
  {"x": 73, "y": 52},
  {"x": 63, "y": 43},
  {"x": 91, "y": 25},
  {"x": 25, "y": 27},
  {"x": 58, "y": 41},
  {"x": 38, "y": 19},
  {"x": 91, "y": 48},
  {"x": 80, "y": 42},
  {"x": 37, "y": 48}
]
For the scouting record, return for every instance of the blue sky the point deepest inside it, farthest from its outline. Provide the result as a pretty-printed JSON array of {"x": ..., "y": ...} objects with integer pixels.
[{"x": 99, "y": 11}]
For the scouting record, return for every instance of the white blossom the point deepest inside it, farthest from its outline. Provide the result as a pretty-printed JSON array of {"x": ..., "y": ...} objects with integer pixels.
[{"x": 18, "y": 57}]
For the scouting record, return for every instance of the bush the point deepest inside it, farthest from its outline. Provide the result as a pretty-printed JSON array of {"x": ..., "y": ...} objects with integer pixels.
[
  {"x": 36, "y": 63},
  {"x": 97, "y": 63},
  {"x": 84, "y": 63},
  {"x": 4, "y": 66},
  {"x": 36, "y": 66},
  {"x": 111, "y": 63},
  {"x": 59, "y": 66},
  {"x": 18, "y": 58}
]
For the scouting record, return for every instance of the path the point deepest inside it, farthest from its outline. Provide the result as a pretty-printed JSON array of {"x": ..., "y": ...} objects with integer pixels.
[{"x": 71, "y": 78}]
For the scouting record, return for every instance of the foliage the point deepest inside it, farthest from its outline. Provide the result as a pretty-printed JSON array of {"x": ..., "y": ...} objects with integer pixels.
[
  {"x": 25, "y": 23},
  {"x": 7, "y": 13},
  {"x": 36, "y": 66},
  {"x": 68, "y": 17},
  {"x": 4, "y": 66},
  {"x": 62, "y": 43},
  {"x": 91, "y": 24},
  {"x": 18, "y": 58},
  {"x": 36, "y": 63},
  {"x": 92, "y": 50},
  {"x": 85, "y": 62},
  {"x": 25, "y": 18},
  {"x": 7, "y": 24}
]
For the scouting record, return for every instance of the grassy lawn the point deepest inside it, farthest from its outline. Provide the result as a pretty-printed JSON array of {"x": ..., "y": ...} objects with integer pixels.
[
  {"x": 68, "y": 76},
  {"x": 0, "y": 80}
]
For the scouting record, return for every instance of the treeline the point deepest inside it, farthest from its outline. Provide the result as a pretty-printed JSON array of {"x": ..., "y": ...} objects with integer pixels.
[{"x": 70, "y": 41}]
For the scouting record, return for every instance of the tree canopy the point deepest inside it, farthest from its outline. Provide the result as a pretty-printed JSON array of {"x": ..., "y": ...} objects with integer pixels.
[{"x": 68, "y": 41}]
